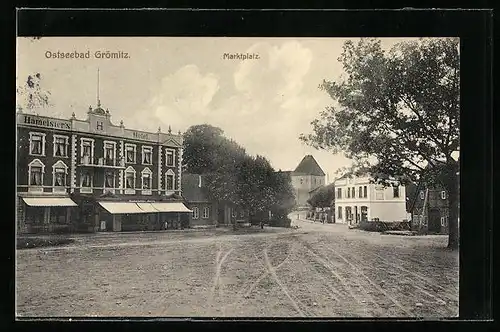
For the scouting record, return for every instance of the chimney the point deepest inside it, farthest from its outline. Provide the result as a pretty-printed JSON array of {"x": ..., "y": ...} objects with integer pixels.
[{"x": 199, "y": 181}]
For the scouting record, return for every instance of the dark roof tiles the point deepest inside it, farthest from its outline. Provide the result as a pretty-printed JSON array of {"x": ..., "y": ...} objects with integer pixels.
[
  {"x": 191, "y": 189},
  {"x": 309, "y": 166}
]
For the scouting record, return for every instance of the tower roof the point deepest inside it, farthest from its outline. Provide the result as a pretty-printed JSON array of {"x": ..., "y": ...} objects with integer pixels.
[{"x": 309, "y": 166}]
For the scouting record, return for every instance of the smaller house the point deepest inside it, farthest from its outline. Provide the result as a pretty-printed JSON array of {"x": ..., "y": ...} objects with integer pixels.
[
  {"x": 357, "y": 199},
  {"x": 430, "y": 211},
  {"x": 204, "y": 211},
  {"x": 430, "y": 208}
]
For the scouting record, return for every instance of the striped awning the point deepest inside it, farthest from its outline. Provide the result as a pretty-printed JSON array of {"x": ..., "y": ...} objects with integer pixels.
[
  {"x": 141, "y": 207},
  {"x": 121, "y": 207},
  {"x": 49, "y": 201},
  {"x": 170, "y": 207},
  {"x": 147, "y": 207}
]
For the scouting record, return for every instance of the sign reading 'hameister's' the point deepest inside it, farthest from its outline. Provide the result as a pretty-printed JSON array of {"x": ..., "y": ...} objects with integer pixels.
[{"x": 49, "y": 123}]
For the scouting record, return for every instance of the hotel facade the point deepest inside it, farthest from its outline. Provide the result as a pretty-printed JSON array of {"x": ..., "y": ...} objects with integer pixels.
[
  {"x": 357, "y": 200},
  {"x": 92, "y": 175}
]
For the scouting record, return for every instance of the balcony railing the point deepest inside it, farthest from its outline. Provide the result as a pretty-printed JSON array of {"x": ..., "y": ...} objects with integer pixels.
[{"x": 102, "y": 162}]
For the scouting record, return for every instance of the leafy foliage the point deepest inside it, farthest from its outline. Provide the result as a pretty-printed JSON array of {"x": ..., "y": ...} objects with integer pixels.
[
  {"x": 323, "y": 197},
  {"x": 396, "y": 113},
  {"x": 233, "y": 176},
  {"x": 31, "y": 96}
]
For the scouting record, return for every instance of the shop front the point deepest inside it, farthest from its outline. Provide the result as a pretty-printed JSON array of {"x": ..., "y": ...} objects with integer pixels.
[
  {"x": 46, "y": 214},
  {"x": 119, "y": 216}
]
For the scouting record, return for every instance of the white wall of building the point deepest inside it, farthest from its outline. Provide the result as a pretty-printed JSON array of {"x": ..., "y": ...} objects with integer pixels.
[{"x": 380, "y": 202}]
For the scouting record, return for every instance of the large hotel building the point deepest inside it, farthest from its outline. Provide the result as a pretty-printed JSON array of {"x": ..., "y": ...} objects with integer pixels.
[{"x": 92, "y": 175}]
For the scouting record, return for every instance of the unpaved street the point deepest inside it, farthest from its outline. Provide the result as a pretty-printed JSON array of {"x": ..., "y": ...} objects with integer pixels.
[{"x": 314, "y": 271}]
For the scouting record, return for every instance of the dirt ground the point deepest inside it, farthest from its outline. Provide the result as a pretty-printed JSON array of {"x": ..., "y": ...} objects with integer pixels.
[{"x": 314, "y": 271}]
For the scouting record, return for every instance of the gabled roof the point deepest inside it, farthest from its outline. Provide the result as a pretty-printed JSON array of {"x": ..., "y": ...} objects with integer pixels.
[
  {"x": 309, "y": 166},
  {"x": 191, "y": 190}
]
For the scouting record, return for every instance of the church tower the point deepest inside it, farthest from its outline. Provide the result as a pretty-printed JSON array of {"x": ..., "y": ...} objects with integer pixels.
[{"x": 306, "y": 178}]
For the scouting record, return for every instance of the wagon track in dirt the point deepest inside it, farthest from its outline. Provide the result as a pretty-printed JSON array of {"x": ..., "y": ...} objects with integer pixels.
[
  {"x": 216, "y": 285},
  {"x": 348, "y": 289},
  {"x": 372, "y": 283},
  {"x": 429, "y": 282},
  {"x": 272, "y": 272},
  {"x": 246, "y": 290}
]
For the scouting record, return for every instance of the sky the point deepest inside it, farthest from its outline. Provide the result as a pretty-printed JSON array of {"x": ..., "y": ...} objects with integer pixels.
[{"x": 263, "y": 104}]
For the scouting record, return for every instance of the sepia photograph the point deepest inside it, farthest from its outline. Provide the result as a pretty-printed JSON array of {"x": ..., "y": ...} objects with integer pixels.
[{"x": 246, "y": 177}]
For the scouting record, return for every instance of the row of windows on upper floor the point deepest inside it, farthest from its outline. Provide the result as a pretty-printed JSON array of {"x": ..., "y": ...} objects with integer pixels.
[
  {"x": 351, "y": 192},
  {"x": 61, "y": 146},
  {"x": 36, "y": 171},
  {"x": 442, "y": 194},
  {"x": 363, "y": 192}
]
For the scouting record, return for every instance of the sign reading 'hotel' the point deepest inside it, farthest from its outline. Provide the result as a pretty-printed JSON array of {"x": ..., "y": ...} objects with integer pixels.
[
  {"x": 49, "y": 123},
  {"x": 136, "y": 134}
]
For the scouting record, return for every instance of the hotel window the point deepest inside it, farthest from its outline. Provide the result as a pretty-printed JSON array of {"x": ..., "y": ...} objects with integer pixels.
[
  {"x": 348, "y": 192},
  {"x": 206, "y": 212},
  {"x": 59, "y": 171},
  {"x": 395, "y": 191},
  {"x": 60, "y": 146},
  {"x": 86, "y": 179},
  {"x": 360, "y": 192},
  {"x": 36, "y": 169},
  {"x": 443, "y": 194},
  {"x": 146, "y": 179},
  {"x": 443, "y": 221},
  {"x": 130, "y": 178},
  {"x": 87, "y": 150},
  {"x": 365, "y": 191},
  {"x": 147, "y": 155},
  {"x": 170, "y": 157},
  {"x": 340, "y": 212},
  {"x": 196, "y": 213},
  {"x": 37, "y": 144},
  {"x": 109, "y": 179},
  {"x": 130, "y": 153},
  {"x": 339, "y": 192},
  {"x": 170, "y": 181},
  {"x": 109, "y": 153}
]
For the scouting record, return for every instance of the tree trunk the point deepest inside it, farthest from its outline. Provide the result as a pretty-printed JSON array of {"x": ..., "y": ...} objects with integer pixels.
[{"x": 451, "y": 184}]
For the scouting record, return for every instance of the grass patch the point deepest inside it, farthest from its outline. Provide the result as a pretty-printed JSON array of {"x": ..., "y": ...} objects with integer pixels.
[{"x": 37, "y": 242}]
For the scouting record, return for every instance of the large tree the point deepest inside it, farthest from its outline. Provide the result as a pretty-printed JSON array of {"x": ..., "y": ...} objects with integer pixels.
[
  {"x": 233, "y": 176},
  {"x": 206, "y": 150},
  {"x": 396, "y": 114}
]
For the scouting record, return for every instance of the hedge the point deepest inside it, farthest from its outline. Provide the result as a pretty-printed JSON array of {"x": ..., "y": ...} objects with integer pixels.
[
  {"x": 37, "y": 242},
  {"x": 382, "y": 226}
]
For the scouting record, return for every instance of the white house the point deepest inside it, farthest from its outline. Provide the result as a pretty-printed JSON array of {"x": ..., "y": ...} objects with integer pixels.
[{"x": 357, "y": 199}]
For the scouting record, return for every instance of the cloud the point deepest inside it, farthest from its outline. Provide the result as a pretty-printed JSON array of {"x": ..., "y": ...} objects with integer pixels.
[
  {"x": 183, "y": 98},
  {"x": 277, "y": 76},
  {"x": 265, "y": 110}
]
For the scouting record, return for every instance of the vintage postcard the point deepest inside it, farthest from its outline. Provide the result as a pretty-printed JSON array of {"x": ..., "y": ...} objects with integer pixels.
[{"x": 237, "y": 177}]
